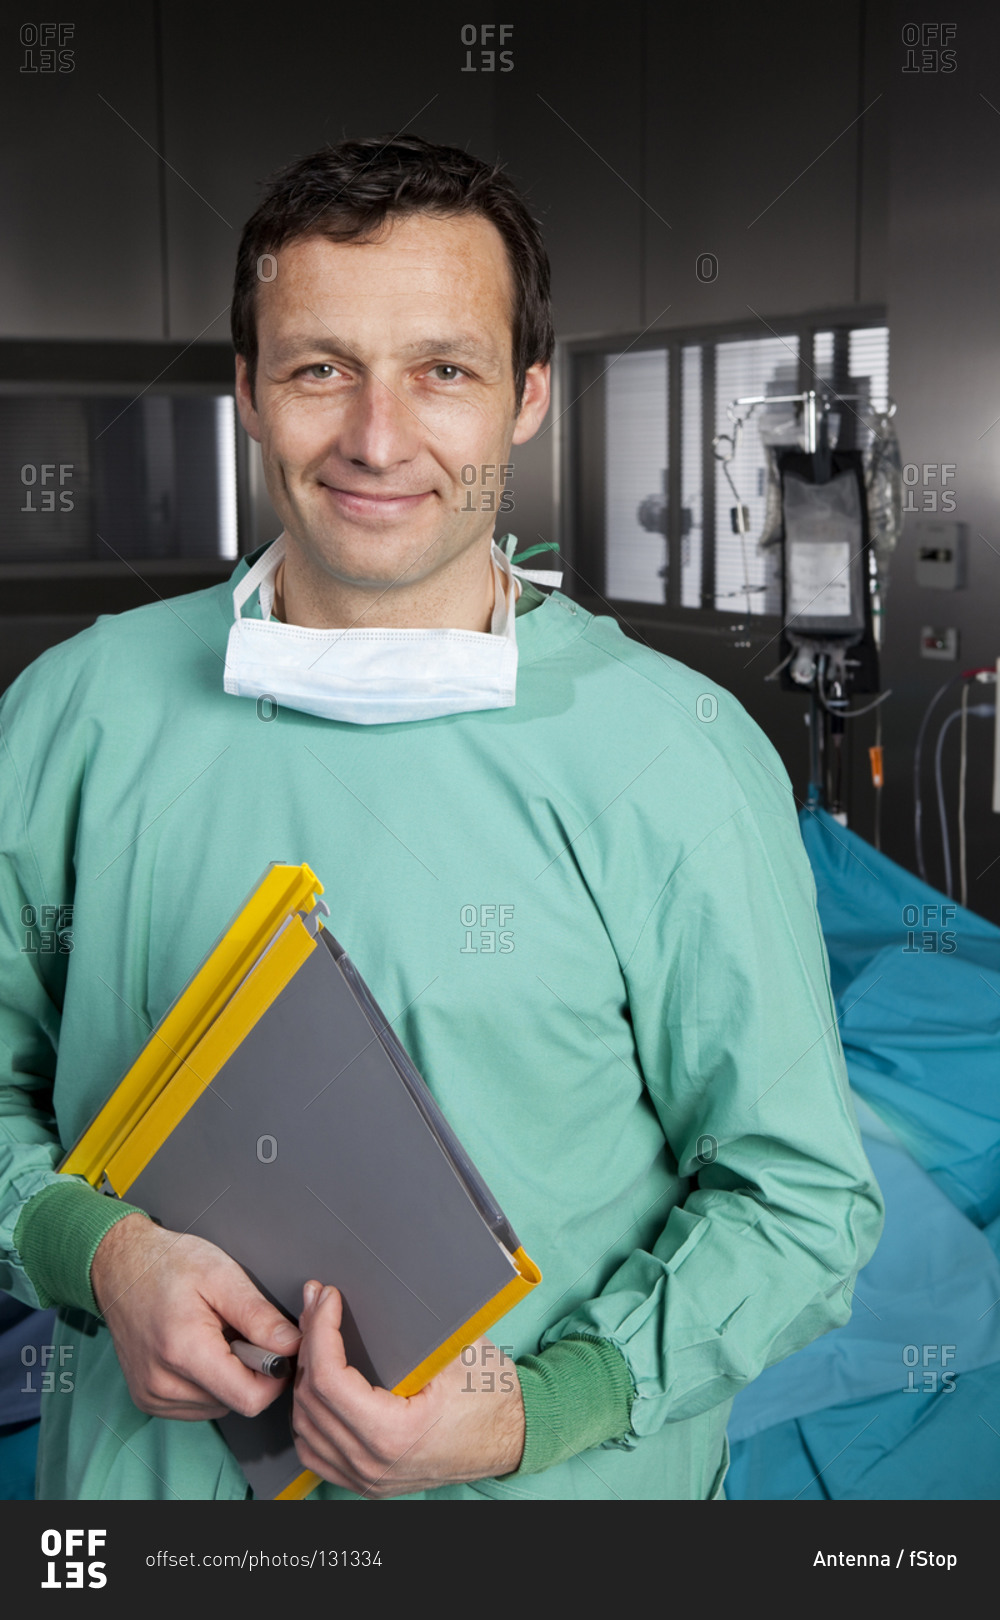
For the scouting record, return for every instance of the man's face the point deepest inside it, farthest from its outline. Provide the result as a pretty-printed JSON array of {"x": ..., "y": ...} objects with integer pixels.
[{"x": 384, "y": 376}]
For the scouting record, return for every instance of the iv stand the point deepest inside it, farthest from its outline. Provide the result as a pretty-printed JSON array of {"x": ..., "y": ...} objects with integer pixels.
[{"x": 813, "y": 404}]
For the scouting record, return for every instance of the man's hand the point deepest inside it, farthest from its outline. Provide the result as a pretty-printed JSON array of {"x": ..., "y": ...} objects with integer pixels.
[
  {"x": 166, "y": 1298},
  {"x": 461, "y": 1426}
]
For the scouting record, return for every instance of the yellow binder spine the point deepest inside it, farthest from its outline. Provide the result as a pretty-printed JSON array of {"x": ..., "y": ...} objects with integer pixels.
[
  {"x": 258, "y": 992},
  {"x": 284, "y": 889}
]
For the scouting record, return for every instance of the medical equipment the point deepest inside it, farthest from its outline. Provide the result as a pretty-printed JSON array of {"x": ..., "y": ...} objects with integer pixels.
[
  {"x": 832, "y": 515},
  {"x": 984, "y": 676}
]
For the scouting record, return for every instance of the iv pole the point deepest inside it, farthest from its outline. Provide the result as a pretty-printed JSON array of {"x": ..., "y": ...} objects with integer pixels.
[{"x": 813, "y": 408}]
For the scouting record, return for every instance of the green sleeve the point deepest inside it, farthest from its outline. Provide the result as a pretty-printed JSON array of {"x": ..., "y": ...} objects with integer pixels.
[
  {"x": 737, "y": 1037},
  {"x": 577, "y": 1394},
  {"x": 57, "y": 1235}
]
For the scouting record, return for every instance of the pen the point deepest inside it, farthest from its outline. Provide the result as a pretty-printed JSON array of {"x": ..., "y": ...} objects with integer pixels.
[{"x": 262, "y": 1361}]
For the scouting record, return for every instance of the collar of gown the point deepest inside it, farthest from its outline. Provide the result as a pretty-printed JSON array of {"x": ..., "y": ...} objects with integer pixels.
[{"x": 543, "y": 630}]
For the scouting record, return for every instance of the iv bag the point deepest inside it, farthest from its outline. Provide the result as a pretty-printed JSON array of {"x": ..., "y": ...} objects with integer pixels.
[{"x": 824, "y": 582}]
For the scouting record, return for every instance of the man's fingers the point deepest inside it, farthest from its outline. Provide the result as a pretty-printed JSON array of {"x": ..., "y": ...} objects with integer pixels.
[
  {"x": 199, "y": 1410},
  {"x": 192, "y": 1374},
  {"x": 169, "y": 1300},
  {"x": 221, "y": 1376},
  {"x": 166, "y": 1390},
  {"x": 324, "y": 1464},
  {"x": 315, "y": 1296},
  {"x": 322, "y": 1439},
  {"x": 320, "y": 1428},
  {"x": 322, "y": 1315},
  {"x": 244, "y": 1308},
  {"x": 323, "y": 1360},
  {"x": 197, "y": 1352},
  {"x": 338, "y": 1451},
  {"x": 204, "y": 1358}
]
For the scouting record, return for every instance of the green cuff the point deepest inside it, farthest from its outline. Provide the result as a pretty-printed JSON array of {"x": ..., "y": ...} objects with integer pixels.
[
  {"x": 57, "y": 1235},
  {"x": 577, "y": 1394}
]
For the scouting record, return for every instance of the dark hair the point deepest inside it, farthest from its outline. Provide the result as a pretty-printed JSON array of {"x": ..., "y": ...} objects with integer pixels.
[{"x": 346, "y": 193}]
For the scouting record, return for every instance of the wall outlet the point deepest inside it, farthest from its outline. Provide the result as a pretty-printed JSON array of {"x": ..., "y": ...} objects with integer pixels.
[
  {"x": 940, "y": 554},
  {"x": 938, "y": 643}
]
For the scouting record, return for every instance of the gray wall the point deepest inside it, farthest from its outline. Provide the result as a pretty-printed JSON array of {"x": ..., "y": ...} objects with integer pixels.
[
  {"x": 787, "y": 140},
  {"x": 943, "y": 278}
]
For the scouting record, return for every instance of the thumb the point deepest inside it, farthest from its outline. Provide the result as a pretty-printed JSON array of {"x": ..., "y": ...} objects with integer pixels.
[
  {"x": 323, "y": 1359},
  {"x": 316, "y": 1298},
  {"x": 321, "y": 1318},
  {"x": 254, "y": 1318}
]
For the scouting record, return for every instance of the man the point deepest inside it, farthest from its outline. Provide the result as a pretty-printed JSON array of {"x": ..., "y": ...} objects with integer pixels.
[{"x": 644, "y": 1064}]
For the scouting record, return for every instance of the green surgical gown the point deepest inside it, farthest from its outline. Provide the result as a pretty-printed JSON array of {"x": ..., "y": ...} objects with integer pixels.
[{"x": 590, "y": 917}]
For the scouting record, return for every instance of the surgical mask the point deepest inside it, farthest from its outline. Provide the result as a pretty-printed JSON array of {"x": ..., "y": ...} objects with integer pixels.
[{"x": 375, "y": 676}]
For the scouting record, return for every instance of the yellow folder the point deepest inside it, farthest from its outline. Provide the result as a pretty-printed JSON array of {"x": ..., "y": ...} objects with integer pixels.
[{"x": 159, "y": 1130}]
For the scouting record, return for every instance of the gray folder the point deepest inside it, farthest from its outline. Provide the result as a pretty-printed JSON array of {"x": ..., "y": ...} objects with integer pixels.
[{"x": 318, "y": 1151}]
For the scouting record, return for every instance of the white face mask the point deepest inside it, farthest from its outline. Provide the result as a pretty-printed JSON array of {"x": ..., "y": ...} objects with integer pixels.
[{"x": 376, "y": 676}]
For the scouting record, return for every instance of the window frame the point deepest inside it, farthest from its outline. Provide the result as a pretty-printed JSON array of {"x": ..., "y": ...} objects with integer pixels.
[{"x": 581, "y": 484}]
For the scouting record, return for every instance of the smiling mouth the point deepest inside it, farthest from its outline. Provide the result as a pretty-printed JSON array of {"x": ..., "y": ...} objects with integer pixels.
[{"x": 364, "y": 500}]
